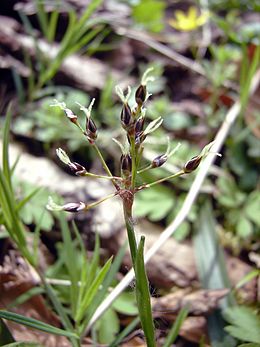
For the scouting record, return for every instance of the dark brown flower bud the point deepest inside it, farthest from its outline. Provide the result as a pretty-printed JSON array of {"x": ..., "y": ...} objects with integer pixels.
[
  {"x": 159, "y": 161},
  {"x": 78, "y": 169},
  {"x": 74, "y": 207},
  {"x": 126, "y": 116},
  {"x": 70, "y": 115},
  {"x": 139, "y": 125},
  {"x": 91, "y": 130},
  {"x": 140, "y": 94},
  {"x": 126, "y": 164},
  {"x": 192, "y": 164},
  {"x": 139, "y": 138}
]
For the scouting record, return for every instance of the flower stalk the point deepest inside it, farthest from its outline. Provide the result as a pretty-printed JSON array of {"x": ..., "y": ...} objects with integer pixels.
[{"x": 133, "y": 123}]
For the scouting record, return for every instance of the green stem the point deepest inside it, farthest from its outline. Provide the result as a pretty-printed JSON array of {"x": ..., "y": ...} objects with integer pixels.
[
  {"x": 149, "y": 185},
  {"x": 89, "y": 174},
  {"x": 106, "y": 168},
  {"x": 130, "y": 232},
  {"x": 145, "y": 169},
  {"x": 133, "y": 155},
  {"x": 94, "y": 204}
]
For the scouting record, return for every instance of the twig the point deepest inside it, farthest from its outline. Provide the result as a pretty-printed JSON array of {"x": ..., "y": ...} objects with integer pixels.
[
  {"x": 180, "y": 59},
  {"x": 190, "y": 198}
]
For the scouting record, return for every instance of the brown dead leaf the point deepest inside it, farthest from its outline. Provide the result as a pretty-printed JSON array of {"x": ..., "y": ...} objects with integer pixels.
[
  {"x": 16, "y": 278},
  {"x": 200, "y": 302},
  {"x": 194, "y": 328}
]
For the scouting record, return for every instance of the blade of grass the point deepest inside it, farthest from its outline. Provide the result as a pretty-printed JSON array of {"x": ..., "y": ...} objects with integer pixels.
[
  {"x": 53, "y": 25},
  {"x": 5, "y": 334},
  {"x": 36, "y": 324},
  {"x": 211, "y": 267},
  {"x": 173, "y": 333},
  {"x": 70, "y": 251},
  {"x": 5, "y": 158},
  {"x": 143, "y": 296},
  {"x": 42, "y": 17},
  {"x": 92, "y": 291},
  {"x": 125, "y": 332},
  {"x": 21, "y": 299},
  {"x": 106, "y": 283}
]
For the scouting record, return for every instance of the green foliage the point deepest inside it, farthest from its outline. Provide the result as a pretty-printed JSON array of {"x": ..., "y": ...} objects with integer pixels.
[
  {"x": 126, "y": 304},
  {"x": 173, "y": 333},
  {"x": 34, "y": 323},
  {"x": 241, "y": 208},
  {"x": 109, "y": 326},
  {"x": 150, "y": 14},
  {"x": 244, "y": 324},
  {"x": 78, "y": 35},
  {"x": 143, "y": 296},
  {"x": 49, "y": 125},
  {"x": 149, "y": 201},
  {"x": 34, "y": 211},
  {"x": 23, "y": 344}
]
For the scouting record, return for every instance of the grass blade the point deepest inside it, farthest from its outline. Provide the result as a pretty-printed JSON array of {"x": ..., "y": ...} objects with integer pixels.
[
  {"x": 36, "y": 324},
  {"x": 92, "y": 291},
  {"x": 211, "y": 267},
  {"x": 173, "y": 333},
  {"x": 6, "y": 132},
  {"x": 125, "y": 332},
  {"x": 5, "y": 334},
  {"x": 143, "y": 296}
]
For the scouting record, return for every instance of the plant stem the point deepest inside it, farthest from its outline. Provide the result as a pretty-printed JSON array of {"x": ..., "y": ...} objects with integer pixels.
[
  {"x": 89, "y": 174},
  {"x": 100, "y": 201},
  {"x": 130, "y": 232},
  {"x": 106, "y": 168},
  {"x": 145, "y": 169},
  {"x": 133, "y": 155},
  {"x": 149, "y": 185}
]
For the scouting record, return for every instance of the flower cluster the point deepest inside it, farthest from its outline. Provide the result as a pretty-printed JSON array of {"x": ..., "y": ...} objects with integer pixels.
[{"x": 133, "y": 122}]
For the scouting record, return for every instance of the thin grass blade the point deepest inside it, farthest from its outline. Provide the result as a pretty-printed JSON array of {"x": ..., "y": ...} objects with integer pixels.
[
  {"x": 143, "y": 296},
  {"x": 36, "y": 324},
  {"x": 174, "y": 332}
]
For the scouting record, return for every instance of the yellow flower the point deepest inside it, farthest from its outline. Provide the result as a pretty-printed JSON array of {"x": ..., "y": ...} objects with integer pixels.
[{"x": 189, "y": 21}]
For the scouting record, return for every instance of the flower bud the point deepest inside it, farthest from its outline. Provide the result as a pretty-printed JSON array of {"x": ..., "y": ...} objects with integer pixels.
[
  {"x": 126, "y": 116},
  {"x": 192, "y": 164},
  {"x": 78, "y": 169},
  {"x": 91, "y": 130},
  {"x": 140, "y": 94},
  {"x": 70, "y": 207},
  {"x": 159, "y": 161},
  {"x": 74, "y": 207},
  {"x": 71, "y": 116},
  {"x": 139, "y": 125},
  {"x": 126, "y": 164},
  {"x": 139, "y": 138}
]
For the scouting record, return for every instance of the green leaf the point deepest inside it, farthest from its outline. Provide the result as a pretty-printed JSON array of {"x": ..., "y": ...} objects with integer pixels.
[
  {"x": 248, "y": 277},
  {"x": 244, "y": 227},
  {"x": 5, "y": 334},
  {"x": 245, "y": 324},
  {"x": 211, "y": 266},
  {"x": 143, "y": 296},
  {"x": 126, "y": 304},
  {"x": 109, "y": 326},
  {"x": 130, "y": 327},
  {"x": 250, "y": 345},
  {"x": 146, "y": 203},
  {"x": 36, "y": 324},
  {"x": 150, "y": 14},
  {"x": 92, "y": 291},
  {"x": 23, "y": 344},
  {"x": 252, "y": 207},
  {"x": 173, "y": 333}
]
